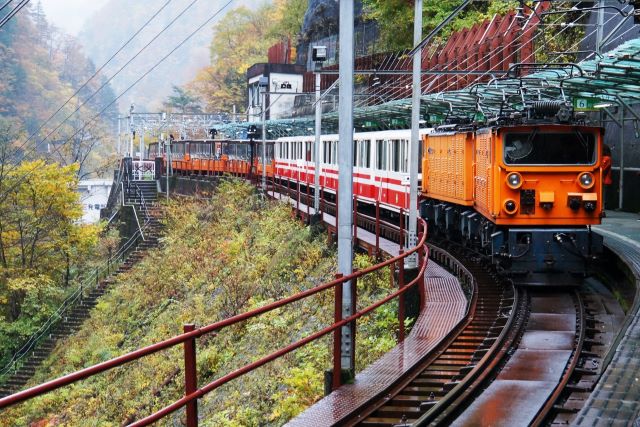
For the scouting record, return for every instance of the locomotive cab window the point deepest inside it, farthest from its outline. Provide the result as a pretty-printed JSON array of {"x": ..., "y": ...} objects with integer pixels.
[{"x": 543, "y": 148}]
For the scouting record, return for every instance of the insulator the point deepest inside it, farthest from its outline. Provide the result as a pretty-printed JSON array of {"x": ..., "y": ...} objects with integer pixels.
[{"x": 547, "y": 108}]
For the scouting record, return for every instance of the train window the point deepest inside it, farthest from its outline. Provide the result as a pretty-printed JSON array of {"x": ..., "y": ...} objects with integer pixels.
[
  {"x": 544, "y": 148},
  {"x": 355, "y": 153},
  {"x": 308, "y": 151},
  {"x": 334, "y": 154},
  {"x": 366, "y": 154},
  {"x": 382, "y": 151},
  {"x": 395, "y": 155}
]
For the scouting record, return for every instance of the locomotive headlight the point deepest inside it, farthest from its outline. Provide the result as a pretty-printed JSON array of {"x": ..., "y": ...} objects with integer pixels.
[
  {"x": 514, "y": 180},
  {"x": 586, "y": 180},
  {"x": 510, "y": 206}
]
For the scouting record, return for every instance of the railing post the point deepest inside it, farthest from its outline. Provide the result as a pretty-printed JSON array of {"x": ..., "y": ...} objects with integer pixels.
[
  {"x": 421, "y": 289},
  {"x": 337, "y": 336},
  {"x": 190, "y": 376},
  {"x": 401, "y": 305},
  {"x": 377, "y": 228},
  {"x": 401, "y": 229},
  {"x": 354, "y": 296},
  {"x": 355, "y": 219},
  {"x": 298, "y": 196},
  {"x": 308, "y": 204}
]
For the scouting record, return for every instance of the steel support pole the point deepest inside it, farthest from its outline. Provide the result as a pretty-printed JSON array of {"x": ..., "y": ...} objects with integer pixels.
[
  {"x": 264, "y": 141},
  {"x": 316, "y": 194},
  {"x": 119, "y": 135},
  {"x": 131, "y": 133},
  {"x": 345, "y": 169},
  {"x": 141, "y": 146},
  {"x": 414, "y": 147},
  {"x": 600, "y": 26},
  {"x": 621, "y": 178}
]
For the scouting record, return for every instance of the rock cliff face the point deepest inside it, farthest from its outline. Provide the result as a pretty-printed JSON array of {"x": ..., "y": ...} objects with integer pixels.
[{"x": 320, "y": 21}]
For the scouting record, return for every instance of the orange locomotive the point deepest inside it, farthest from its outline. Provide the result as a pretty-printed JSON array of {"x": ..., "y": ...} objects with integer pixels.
[{"x": 524, "y": 194}]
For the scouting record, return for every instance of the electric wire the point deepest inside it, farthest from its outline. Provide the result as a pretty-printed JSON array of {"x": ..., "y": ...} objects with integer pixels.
[
  {"x": 5, "y": 5},
  {"x": 185, "y": 40},
  {"x": 97, "y": 72},
  {"x": 107, "y": 81},
  {"x": 13, "y": 12}
]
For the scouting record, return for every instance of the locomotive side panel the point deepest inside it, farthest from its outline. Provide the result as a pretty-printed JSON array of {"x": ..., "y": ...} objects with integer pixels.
[
  {"x": 483, "y": 172},
  {"x": 447, "y": 167}
]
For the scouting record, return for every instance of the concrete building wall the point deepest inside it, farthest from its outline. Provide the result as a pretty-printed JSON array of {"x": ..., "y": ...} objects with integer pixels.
[{"x": 94, "y": 194}]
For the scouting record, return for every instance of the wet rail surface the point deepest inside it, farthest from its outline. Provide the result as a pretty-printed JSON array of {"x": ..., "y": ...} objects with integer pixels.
[
  {"x": 463, "y": 352},
  {"x": 528, "y": 385}
]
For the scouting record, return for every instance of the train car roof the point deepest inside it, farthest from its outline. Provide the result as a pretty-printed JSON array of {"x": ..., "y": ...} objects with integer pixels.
[{"x": 359, "y": 135}]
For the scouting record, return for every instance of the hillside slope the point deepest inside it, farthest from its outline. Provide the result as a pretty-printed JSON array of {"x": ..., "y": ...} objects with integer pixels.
[{"x": 220, "y": 257}]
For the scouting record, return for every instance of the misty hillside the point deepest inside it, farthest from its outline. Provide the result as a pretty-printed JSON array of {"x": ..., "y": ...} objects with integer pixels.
[{"x": 118, "y": 20}]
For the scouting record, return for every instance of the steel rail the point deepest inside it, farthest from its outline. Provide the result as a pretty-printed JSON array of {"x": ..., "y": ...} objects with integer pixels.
[
  {"x": 436, "y": 254},
  {"x": 564, "y": 380},
  {"x": 182, "y": 338},
  {"x": 446, "y": 407}
]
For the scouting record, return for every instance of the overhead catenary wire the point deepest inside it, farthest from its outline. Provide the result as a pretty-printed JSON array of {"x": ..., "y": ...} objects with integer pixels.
[
  {"x": 92, "y": 119},
  {"x": 95, "y": 74},
  {"x": 5, "y": 5},
  {"x": 106, "y": 82},
  {"x": 13, "y": 12}
]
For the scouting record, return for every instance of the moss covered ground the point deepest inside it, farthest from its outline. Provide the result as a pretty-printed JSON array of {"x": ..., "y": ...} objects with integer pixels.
[{"x": 219, "y": 257}]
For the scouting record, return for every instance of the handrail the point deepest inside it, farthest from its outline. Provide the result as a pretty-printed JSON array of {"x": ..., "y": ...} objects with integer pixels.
[
  {"x": 113, "y": 194},
  {"x": 93, "y": 279},
  {"x": 214, "y": 327}
]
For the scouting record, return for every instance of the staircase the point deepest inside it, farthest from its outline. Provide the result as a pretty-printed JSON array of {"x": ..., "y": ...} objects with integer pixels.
[{"x": 73, "y": 319}]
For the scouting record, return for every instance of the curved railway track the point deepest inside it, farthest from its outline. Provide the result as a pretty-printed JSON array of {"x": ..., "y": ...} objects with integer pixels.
[
  {"x": 464, "y": 354},
  {"x": 512, "y": 341}
]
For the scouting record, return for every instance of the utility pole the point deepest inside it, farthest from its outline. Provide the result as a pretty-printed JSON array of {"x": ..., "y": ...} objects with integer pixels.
[
  {"x": 119, "y": 134},
  {"x": 131, "y": 131},
  {"x": 345, "y": 177},
  {"x": 168, "y": 150},
  {"x": 264, "y": 140},
  {"x": 141, "y": 145},
  {"x": 600, "y": 27},
  {"x": 316, "y": 149},
  {"x": 414, "y": 147},
  {"x": 319, "y": 56}
]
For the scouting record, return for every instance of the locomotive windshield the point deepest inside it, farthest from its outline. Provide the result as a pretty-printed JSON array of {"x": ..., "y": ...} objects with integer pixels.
[{"x": 540, "y": 148}]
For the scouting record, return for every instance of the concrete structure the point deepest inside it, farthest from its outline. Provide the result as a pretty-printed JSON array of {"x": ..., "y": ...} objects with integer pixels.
[
  {"x": 94, "y": 194},
  {"x": 283, "y": 79}
]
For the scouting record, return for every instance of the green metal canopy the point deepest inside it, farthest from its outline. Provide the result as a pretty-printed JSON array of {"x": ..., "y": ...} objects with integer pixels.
[{"x": 611, "y": 79}]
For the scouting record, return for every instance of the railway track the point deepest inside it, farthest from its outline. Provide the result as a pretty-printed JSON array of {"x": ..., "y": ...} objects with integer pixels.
[
  {"x": 513, "y": 343},
  {"x": 466, "y": 352},
  {"x": 519, "y": 358}
]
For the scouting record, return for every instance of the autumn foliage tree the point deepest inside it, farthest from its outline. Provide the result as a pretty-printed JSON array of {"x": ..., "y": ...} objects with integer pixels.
[
  {"x": 42, "y": 242},
  {"x": 240, "y": 40}
]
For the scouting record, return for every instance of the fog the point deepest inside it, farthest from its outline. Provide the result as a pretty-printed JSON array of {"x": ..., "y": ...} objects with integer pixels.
[{"x": 69, "y": 15}]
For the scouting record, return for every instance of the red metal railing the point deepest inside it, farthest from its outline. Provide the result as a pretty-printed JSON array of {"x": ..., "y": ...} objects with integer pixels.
[{"x": 192, "y": 393}]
